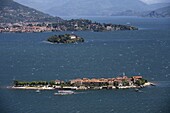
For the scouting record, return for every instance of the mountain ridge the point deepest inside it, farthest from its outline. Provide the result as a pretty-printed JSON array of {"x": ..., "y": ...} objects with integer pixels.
[
  {"x": 95, "y": 7},
  {"x": 161, "y": 12},
  {"x": 78, "y": 8},
  {"x": 12, "y": 12}
]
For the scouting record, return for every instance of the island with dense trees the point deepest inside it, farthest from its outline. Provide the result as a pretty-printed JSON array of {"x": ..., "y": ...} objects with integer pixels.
[
  {"x": 85, "y": 83},
  {"x": 66, "y": 38}
]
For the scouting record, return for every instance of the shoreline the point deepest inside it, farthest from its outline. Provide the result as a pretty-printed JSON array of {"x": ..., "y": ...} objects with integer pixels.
[
  {"x": 76, "y": 88},
  {"x": 120, "y": 82},
  {"x": 31, "y": 88},
  {"x": 68, "y": 25}
]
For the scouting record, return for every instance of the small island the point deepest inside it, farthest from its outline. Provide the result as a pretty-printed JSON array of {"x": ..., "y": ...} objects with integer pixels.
[
  {"x": 66, "y": 38},
  {"x": 85, "y": 83}
]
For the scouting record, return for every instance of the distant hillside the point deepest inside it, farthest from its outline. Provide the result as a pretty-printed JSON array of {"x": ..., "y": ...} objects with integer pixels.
[
  {"x": 42, "y": 5},
  {"x": 11, "y": 12},
  {"x": 143, "y": 13},
  {"x": 128, "y": 13},
  {"x": 93, "y": 7},
  {"x": 103, "y": 8},
  {"x": 162, "y": 12},
  {"x": 96, "y": 7}
]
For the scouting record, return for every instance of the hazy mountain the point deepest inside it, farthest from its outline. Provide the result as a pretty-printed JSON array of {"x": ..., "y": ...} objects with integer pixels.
[
  {"x": 11, "y": 11},
  {"x": 158, "y": 5},
  {"x": 162, "y": 12},
  {"x": 42, "y": 5},
  {"x": 150, "y": 7},
  {"x": 96, "y": 7},
  {"x": 93, "y": 7},
  {"x": 129, "y": 13}
]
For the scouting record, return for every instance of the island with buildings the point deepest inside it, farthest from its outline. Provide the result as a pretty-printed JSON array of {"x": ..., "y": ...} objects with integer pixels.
[
  {"x": 65, "y": 25},
  {"x": 66, "y": 38},
  {"x": 18, "y": 18},
  {"x": 122, "y": 82}
]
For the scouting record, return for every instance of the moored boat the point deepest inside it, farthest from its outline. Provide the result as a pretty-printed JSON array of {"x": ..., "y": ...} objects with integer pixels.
[
  {"x": 37, "y": 91},
  {"x": 64, "y": 92},
  {"x": 152, "y": 84}
]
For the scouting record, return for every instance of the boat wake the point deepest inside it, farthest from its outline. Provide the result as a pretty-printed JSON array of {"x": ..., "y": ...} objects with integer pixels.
[
  {"x": 47, "y": 42},
  {"x": 162, "y": 83},
  {"x": 66, "y": 92}
]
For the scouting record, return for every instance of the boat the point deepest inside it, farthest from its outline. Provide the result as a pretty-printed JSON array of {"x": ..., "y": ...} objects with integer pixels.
[
  {"x": 152, "y": 84},
  {"x": 37, "y": 91},
  {"x": 64, "y": 92},
  {"x": 128, "y": 23},
  {"x": 138, "y": 90}
]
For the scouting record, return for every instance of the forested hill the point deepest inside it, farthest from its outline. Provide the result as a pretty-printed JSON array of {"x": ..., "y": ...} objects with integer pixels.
[{"x": 12, "y": 12}]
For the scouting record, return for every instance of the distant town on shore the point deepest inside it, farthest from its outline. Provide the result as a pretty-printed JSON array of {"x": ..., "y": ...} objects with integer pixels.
[
  {"x": 18, "y": 18},
  {"x": 67, "y": 25},
  {"x": 85, "y": 83}
]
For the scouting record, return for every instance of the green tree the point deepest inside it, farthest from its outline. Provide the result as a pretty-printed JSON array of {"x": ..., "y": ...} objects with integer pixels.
[
  {"x": 116, "y": 83},
  {"x": 16, "y": 82},
  {"x": 125, "y": 83},
  {"x": 52, "y": 82},
  {"x": 140, "y": 82}
]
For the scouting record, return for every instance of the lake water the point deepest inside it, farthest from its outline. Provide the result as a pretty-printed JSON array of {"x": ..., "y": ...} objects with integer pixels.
[{"x": 27, "y": 56}]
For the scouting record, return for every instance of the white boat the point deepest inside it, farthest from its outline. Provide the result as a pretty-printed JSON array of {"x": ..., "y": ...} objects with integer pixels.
[
  {"x": 128, "y": 23},
  {"x": 64, "y": 92},
  {"x": 138, "y": 90},
  {"x": 37, "y": 91},
  {"x": 152, "y": 84}
]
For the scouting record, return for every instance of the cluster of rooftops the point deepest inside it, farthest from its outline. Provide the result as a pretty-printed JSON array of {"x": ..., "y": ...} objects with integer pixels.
[
  {"x": 118, "y": 79},
  {"x": 110, "y": 81}
]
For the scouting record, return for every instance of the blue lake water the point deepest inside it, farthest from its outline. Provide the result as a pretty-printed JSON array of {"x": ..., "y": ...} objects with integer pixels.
[{"x": 27, "y": 56}]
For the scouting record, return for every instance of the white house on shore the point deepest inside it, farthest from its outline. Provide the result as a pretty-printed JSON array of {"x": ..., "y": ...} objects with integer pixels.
[{"x": 73, "y": 36}]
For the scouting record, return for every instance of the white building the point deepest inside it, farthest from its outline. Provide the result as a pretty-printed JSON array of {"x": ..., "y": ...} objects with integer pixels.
[{"x": 73, "y": 36}]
